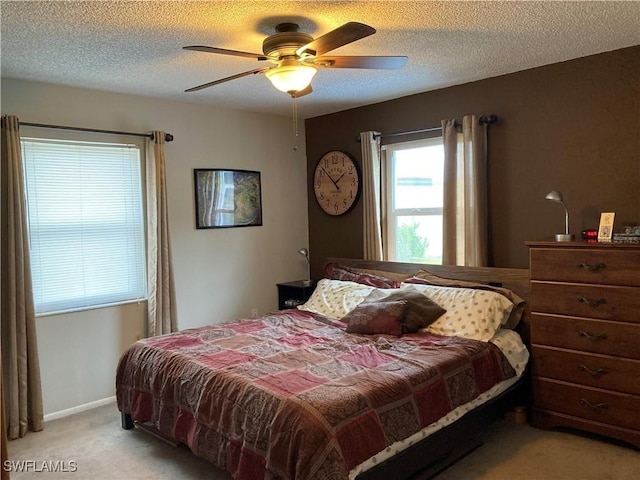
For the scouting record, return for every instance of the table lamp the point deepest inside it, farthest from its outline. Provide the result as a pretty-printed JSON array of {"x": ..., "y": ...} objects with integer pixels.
[
  {"x": 305, "y": 253},
  {"x": 556, "y": 196}
]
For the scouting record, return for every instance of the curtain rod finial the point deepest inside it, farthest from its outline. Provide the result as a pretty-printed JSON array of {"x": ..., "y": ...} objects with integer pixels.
[{"x": 489, "y": 119}]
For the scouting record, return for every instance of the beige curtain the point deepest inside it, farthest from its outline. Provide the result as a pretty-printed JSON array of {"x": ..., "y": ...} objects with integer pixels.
[
  {"x": 465, "y": 212},
  {"x": 161, "y": 309},
  {"x": 3, "y": 434},
  {"x": 20, "y": 366},
  {"x": 370, "y": 144}
]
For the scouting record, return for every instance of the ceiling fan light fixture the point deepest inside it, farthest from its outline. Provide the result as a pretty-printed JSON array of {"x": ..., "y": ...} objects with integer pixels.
[
  {"x": 291, "y": 76},
  {"x": 298, "y": 55}
]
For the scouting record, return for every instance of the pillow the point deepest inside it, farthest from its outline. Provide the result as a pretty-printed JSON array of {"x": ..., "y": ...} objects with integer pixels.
[
  {"x": 421, "y": 311},
  {"x": 376, "y": 318},
  {"x": 470, "y": 313},
  {"x": 335, "y": 298},
  {"x": 398, "y": 277},
  {"x": 335, "y": 271},
  {"x": 427, "y": 278}
]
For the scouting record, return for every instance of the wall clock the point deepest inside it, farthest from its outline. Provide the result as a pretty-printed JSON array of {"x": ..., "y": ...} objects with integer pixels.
[{"x": 336, "y": 183}]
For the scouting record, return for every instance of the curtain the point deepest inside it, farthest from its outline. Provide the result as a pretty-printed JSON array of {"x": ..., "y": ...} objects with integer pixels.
[
  {"x": 21, "y": 386},
  {"x": 465, "y": 212},
  {"x": 3, "y": 433},
  {"x": 370, "y": 144},
  {"x": 161, "y": 305}
]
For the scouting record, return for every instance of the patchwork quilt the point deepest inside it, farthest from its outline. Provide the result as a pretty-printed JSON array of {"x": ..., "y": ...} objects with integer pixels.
[{"x": 291, "y": 395}]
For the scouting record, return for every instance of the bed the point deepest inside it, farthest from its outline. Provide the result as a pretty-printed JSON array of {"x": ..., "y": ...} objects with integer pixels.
[{"x": 351, "y": 384}]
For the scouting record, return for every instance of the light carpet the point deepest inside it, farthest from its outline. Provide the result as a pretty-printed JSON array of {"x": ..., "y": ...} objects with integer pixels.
[{"x": 102, "y": 450}]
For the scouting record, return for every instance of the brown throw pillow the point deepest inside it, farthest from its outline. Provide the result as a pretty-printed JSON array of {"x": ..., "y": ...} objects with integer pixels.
[
  {"x": 376, "y": 318},
  {"x": 421, "y": 311}
]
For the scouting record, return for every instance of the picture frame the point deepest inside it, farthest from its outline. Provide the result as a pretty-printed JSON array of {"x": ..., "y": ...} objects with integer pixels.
[
  {"x": 227, "y": 198},
  {"x": 605, "y": 229}
]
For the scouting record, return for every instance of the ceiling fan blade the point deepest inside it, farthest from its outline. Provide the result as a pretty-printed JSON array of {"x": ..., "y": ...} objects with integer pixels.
[
  {"x": 386, "y": 63},
  {"x": 347, "y": 33},
  {"x": 302, "y": 93},
  {"x": 224, "y": 51},
  {"x": 226, "y": 79}
]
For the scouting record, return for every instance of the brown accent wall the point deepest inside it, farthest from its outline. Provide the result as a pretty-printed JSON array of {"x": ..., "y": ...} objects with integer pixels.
[{"x": 572, "y": 126}]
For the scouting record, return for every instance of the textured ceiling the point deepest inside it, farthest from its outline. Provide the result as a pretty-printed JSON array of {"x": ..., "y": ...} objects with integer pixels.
[{"x": 135, "y": 47}]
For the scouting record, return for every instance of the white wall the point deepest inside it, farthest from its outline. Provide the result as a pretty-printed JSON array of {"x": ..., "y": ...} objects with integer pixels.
[{"x": 220, "y": 274}]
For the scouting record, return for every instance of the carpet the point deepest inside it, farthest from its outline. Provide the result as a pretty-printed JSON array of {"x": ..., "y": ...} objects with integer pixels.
[{"x": 92, "y": 445}]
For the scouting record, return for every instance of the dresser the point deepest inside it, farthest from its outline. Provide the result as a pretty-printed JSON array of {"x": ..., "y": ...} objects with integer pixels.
[{"x": 585, "y": 337}]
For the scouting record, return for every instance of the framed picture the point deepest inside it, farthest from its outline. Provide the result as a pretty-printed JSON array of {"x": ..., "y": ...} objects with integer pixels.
[
  {"x": 605, "y": 230},
  {"x": 227, "y": 198}
]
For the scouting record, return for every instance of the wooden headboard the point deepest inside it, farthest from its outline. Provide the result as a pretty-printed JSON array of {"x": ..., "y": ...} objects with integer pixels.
[{"x": 515, "y": 279}]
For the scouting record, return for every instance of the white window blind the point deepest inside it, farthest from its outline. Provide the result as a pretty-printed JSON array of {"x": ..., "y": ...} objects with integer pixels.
[{"x": 86, "y": 224}]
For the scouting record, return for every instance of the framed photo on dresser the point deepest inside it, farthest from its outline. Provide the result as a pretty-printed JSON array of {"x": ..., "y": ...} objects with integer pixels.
[{"x": 605, "y": 230}]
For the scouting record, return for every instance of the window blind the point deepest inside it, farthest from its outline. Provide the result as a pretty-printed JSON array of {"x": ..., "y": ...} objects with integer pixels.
[{"x": 86, "y": 223}]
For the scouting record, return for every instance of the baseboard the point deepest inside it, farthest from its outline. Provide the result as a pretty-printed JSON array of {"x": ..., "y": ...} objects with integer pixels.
[{"x": 80, "y": 408}]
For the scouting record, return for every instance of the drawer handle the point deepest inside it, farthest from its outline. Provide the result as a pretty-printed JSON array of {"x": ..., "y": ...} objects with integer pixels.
[
  {"x": 592, "y": 268},
  {"x": 592, "y": 302},
  {"x": 593, "y": 406},
  {"x": 591, "y": 336},
  {"x": 593, "y": 373}
]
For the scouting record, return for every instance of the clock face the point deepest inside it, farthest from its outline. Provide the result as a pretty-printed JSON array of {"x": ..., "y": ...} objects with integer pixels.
[{"x": 336, "y": 183}]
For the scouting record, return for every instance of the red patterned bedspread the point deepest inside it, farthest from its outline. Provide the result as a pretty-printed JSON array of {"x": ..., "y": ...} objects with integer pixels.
[{"x": 291, "y": 395}]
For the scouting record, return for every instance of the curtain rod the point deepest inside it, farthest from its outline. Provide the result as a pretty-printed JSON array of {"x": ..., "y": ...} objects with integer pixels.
[
  {"x": 488, "y": 120},
  {"x": 167, "y": 137}
]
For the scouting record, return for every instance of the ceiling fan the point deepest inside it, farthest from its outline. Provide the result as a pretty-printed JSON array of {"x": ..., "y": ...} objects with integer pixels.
[{"x": 297, "y": 56}]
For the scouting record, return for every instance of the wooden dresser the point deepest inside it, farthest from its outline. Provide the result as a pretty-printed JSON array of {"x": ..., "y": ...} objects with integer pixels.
[{"x": 585, "y": 337}]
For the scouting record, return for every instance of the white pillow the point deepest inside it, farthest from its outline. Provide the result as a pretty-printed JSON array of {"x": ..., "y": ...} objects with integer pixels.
[
  {"x": 471, "y": 313},
  {"x": 336, "y": 298}
]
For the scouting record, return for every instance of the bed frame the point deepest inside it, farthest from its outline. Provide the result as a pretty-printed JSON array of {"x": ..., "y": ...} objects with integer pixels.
[{"x": 440, "y": 450}]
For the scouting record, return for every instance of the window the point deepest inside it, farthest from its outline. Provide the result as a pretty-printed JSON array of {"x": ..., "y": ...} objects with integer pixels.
[
  {"x": 414, "y": 172},
  {"x": 86, "y": 224}
]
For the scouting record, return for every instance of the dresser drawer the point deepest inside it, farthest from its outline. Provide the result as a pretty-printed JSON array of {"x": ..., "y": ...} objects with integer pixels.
[
  {"x": 601, "y": 371},
  {"x": 595, "y": 404},
  {"x": 593, "y": 301},
  {"x": 586, "y": 265},
  {"x": 597, "y": 336}
]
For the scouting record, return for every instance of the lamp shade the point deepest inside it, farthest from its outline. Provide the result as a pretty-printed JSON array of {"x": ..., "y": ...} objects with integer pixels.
[
  {"x": 554, "y": 196},
  {"x": 291, "y": 76},
  {"x": 304, "y": 252}
]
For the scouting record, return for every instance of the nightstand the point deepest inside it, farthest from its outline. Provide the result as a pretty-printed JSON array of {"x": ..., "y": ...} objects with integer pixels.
[
  {"x": 292, "y": 294},
  {"x": 585, "y": 337}
]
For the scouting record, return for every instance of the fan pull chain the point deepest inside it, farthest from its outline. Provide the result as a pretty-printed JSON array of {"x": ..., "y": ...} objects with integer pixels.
[{"x": 295, "y": 123}]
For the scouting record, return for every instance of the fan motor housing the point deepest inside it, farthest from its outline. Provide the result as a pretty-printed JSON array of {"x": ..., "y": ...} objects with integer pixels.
[{"x": 285, "y": 41}]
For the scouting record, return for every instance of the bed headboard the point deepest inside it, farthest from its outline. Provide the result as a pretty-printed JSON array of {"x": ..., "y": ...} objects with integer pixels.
[{"x": 515, "y": 279}]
